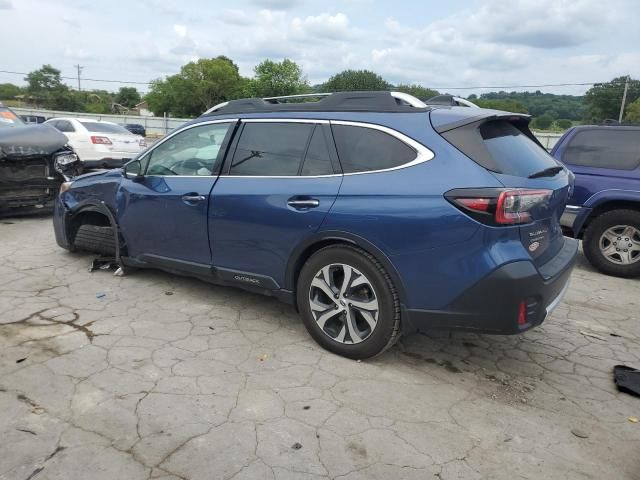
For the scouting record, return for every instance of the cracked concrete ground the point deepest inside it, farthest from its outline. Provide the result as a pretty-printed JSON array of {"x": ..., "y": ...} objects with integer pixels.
[{"x": 156, "y": 376}]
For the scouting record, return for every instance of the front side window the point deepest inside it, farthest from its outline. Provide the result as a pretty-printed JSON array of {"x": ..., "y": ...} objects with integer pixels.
[
  {"x": 364, "y": 149},
  {"x": 271, "y": 149},
  {"x": 192, "y": 152},
  {"x": 605, "y": 148}
]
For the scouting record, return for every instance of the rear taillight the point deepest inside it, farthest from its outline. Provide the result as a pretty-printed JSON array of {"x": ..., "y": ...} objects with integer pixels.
[
  {"x": 143, "y": 144},
  {"x": 100, "y": 140},
  {"x": 495, "y": 206},
  {"x": 514, "y": 206}
]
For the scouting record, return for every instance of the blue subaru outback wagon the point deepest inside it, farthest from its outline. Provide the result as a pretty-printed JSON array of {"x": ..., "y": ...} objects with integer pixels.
[{"x": 371, "y": 212}]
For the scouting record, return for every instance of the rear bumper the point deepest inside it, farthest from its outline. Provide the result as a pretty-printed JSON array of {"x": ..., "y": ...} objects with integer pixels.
[{"x": 492, "y": 305}]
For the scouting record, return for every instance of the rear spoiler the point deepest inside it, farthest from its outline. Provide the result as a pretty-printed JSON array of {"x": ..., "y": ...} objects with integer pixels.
[{"x": 483, "y": 116}]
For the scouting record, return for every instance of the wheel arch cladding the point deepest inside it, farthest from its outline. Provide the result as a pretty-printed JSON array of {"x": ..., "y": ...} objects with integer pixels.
[
  {"x": 608, "y": 206},
  {"x": 324, "y": 239}
]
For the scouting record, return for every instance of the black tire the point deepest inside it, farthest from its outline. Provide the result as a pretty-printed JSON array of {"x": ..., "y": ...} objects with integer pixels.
[
  {"x": 591, "y": 242},
  {"x": 96, "y": 239},
  {"x": 387, "y": 329}
]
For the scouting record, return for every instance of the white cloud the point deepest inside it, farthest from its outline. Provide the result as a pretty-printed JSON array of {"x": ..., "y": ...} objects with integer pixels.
[
  {"x": 6, "y": 5},
  {"x": 323, "y": 26}
]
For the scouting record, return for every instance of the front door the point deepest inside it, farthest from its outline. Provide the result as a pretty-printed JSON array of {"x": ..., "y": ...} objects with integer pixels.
[
  {"x": 163, "y": 216},
  {"x": 282, "y": 180}
]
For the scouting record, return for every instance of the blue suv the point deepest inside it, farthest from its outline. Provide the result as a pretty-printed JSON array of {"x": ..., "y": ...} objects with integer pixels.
[
  {"x": 604, "y": 209},
  {"x": 371, "y": 212}
]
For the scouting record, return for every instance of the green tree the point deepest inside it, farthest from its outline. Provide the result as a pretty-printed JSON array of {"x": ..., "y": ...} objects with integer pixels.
[
  {"x": 543, "y": 122},
  {"x": 563, "y": 123},
  {"x": 633, "y": 112},
  {"x": 277, "y": 78},
  {"x": 45, "y": 88},
  {"x": 417, "y": 91},
  {"x": 350, "y": 80},
  {"x": 9, "y": 91},
  {"x": 603, "y": 100},
  {"x": 199, "y": 86},
  {"x": 128, "y": 97},
  {"x": 505, "y": 104}
]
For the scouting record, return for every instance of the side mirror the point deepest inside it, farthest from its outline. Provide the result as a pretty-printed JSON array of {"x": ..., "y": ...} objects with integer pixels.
[{"x": 133, "y": 171}]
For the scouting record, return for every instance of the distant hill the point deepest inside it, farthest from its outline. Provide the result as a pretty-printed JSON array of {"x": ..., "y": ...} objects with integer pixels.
[{"x": 537, "y": 104}]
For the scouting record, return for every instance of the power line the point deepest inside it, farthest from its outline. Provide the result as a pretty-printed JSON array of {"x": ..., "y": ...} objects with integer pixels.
[
  {"x": 85, "y": 79},
  {"x": 476, "y": 87}
]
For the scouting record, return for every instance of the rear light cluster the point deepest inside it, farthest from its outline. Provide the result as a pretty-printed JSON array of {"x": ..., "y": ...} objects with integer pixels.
[
  {"x": 143, "y": 143},
  {"x": 97, "y": 140},
  {"x": 527, "y": 312},
  {"x": 495, "y": 206}
]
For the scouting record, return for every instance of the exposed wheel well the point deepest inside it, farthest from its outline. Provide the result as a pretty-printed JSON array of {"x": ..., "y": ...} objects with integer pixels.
[
  {"x": 306, "y": 254},
  {"x": 88, "y": 217},
  {"x": 607, "y": 207}
]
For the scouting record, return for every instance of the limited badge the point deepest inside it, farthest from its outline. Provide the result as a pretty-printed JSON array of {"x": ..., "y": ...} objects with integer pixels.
[{"x": 534, "y": 246}]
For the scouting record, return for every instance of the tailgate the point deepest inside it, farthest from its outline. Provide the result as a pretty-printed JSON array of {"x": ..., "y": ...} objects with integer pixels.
[{"x": 504, "y": 145}]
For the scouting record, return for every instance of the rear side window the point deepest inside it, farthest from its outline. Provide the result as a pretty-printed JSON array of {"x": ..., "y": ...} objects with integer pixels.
[
  {"x": 64, "y": 126},
  {"x": 501, "y": 147},
  {"x": 271, "y": 149},
  {"x": 363, "y": 149},
  {"x": 605, "y": 148}
]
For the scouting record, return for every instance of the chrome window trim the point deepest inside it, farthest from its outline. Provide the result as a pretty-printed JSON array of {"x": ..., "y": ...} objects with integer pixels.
[
  {"x": 284, "y": 120},
  {"x": 423, "y": 154}
]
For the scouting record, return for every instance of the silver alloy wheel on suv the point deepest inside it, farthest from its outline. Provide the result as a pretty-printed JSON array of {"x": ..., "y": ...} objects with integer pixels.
[
  {"x": 343, "y": 303},
  {"x": 620, "y": 244}
]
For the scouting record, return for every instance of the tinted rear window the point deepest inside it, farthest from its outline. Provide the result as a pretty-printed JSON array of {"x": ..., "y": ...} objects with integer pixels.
[
  {"x": 101, "y": 127},
  {"x": 363, "y": 149},
  {"x": 271, "y": 149},
  {"x": 607, "y": 148},
  {"x": 501, "y": 147}
]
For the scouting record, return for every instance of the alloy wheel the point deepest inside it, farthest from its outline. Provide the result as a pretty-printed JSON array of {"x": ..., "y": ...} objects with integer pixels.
[
  {"x": 343, "y": 303},
  {"x": 620, "y": 244}
]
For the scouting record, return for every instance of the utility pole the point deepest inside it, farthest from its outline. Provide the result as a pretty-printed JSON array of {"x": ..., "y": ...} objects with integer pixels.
[
  {"x": 624, "y": 99},
  {"x": 79, "y": 68}
]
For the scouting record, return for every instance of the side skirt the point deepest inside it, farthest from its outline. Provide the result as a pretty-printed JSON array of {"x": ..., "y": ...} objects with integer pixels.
[{"x": 251, "y": 282}]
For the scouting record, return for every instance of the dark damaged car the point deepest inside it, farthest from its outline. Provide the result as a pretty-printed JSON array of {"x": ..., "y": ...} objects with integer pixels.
[{"x": 34, "y": 161}]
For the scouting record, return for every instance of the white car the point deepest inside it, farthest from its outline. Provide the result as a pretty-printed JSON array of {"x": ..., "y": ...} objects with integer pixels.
[{"x": 99, "y": 144}]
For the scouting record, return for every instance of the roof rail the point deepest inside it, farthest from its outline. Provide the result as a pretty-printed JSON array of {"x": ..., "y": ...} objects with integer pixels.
[
  {"x": 300, "y": 95},
  {"x": 366, "y": 101}
]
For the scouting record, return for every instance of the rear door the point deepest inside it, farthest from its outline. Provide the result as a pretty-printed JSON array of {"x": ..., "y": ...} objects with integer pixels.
[
  {"x": 507, "y": 148},
  {"x": 280, "y": 181},
  {"x": 163, "y": 216}
]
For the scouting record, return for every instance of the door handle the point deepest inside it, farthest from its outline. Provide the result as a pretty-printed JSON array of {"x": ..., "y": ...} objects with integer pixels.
[
  {"x": 302, "y": 203},
  {"x": 193, "y": 198}
]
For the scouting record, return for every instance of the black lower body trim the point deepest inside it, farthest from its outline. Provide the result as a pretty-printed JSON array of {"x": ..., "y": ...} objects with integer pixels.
[{"x": 493, "y": 304}]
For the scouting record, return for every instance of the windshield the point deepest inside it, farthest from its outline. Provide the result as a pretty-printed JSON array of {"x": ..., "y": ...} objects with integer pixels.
[
  {"x": 9, "y": 119},
  {"x": 104, "y": 127}
]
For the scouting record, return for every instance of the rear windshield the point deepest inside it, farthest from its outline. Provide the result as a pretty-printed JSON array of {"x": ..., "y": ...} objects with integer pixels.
[
  {"x": 605, "y": 148},
  {"x": 501, "y": 147},
  {"x": 102, "y": 127},
  {"x": 9, "y": 119}
]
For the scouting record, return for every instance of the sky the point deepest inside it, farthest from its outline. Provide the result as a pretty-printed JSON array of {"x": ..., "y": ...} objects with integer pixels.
[{"x": 441, "y": 44}]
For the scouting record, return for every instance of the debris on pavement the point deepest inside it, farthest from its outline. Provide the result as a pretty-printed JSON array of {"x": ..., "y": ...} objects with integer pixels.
[
  {"x": 101, "y": 295},
  {"x": 633, "y": 419},
  {"x": 579, "y": 433},
  {"x": 627, "y": 379},
  {"x": 20, "y": 360},
  {"x": 103, "y": 263},
  {"x": 296, "y": 446},
  {"x": 593, "y": 335}
]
